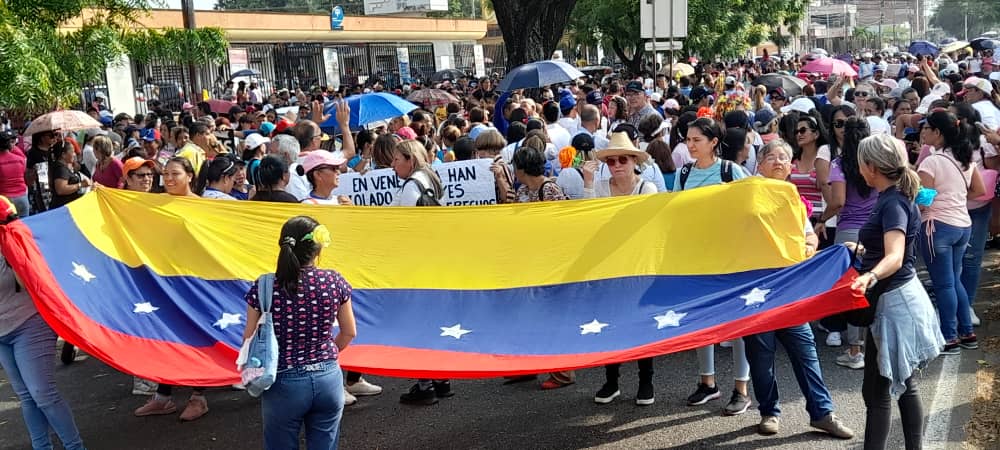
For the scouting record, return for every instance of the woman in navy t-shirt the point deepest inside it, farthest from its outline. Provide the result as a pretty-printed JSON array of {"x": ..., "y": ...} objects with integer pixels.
[{"x": 905, "y": 334}]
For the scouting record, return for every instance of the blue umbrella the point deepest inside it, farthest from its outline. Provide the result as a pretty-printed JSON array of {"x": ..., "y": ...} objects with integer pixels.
[
  {"x": 923, "y": 48},
  {"x": 368, "y": 108},
  {"x": 539, "y": 74}
]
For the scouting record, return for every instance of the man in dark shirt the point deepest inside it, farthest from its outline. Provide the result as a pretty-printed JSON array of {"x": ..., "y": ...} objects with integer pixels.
[{"x": 38, "y": 162}]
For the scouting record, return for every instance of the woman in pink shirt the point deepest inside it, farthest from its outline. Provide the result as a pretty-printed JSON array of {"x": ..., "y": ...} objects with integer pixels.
[
  {"x": 108, "y": 170},
  {"x": 13, "y": 164},
  {"x": 947, "y": 226}
]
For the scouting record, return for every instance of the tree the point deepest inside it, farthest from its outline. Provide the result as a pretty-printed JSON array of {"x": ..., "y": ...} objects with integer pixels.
[
  {"x": 712, "y": 30},
  {"x": 531, "y": 28},
  {"x": 611, "y": 24},
  {"x": 951, "y": 16},
  {"x": 45, "y": 68}
]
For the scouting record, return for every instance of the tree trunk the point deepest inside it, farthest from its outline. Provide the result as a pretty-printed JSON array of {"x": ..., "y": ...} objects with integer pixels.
[
  {"x": 634, "y": 63},
  {"x": 531, "y": 28}
]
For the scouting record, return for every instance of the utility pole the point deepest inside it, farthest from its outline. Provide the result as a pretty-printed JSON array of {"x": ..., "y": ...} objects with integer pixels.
[
  {"x": 881, "y": 18},
  {"x": 194, "y": 95}
]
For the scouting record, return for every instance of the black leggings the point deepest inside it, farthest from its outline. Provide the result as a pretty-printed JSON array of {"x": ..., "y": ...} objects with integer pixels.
[
  {"x": 611, "y": 371},
  {"x": 167, "y": 390},
  {"x": 878, "y": 404}
]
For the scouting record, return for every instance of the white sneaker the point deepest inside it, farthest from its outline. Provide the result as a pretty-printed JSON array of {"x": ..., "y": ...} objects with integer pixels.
[
  {"x": 143, "y": 387},
  {"x": 851, "y": 361},
  {"x": 975, "y": 318},
  {"x": 349, "y": 399},
  {"x": 363, "y": 388},
  {"x": 833, "y": 339}
]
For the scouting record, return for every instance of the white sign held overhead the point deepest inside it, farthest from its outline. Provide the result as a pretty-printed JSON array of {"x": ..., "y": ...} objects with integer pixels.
[
  {"x": 465, "y": 183},
  {"x": 480, "y": 60},
  {"x": 670, "y": 18}
]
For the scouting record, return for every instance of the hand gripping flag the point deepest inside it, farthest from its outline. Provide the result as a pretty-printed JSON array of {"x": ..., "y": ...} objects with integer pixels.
[{"x": 153, "y": 285}]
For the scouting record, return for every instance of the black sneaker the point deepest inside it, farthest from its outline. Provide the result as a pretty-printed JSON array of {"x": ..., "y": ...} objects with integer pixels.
[
  {"x": 969, "y": 342},
  {"x": 703, "y": 395},
  {"x": 418, "y": 396},
  {"x": 442, "y": 389},
  {"x": 645, "y": 395},
  {"x": 607, "y": 394},
  {"x": 952, "y": 348},
  {"x": 738, "y": 404},
  {"x": 68, "y": 354}
]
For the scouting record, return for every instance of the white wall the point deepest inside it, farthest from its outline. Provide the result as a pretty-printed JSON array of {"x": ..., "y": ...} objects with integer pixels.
[{"x": 121, "y": 92}]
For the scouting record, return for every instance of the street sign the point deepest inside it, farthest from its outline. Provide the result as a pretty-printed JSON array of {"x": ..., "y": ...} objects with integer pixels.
[
  {"x": 663, "y": 46},
  {"x": 337, "y": 18},
  {"x": 671, "y": 18}
]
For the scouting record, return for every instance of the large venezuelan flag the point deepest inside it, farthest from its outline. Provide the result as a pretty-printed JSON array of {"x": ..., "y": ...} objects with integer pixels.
[{"x": 153, "y": 285}]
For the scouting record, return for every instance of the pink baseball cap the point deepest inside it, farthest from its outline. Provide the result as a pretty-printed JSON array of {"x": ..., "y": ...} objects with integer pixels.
[
  {"x": 318, "y": 158},
  {"x": 406, "y": 133}
]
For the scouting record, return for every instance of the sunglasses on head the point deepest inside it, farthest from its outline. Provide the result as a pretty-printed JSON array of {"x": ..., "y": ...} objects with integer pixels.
[{"x": 616, "y": 160}]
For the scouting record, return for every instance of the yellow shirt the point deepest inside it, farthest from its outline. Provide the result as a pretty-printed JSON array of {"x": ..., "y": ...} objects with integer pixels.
[{"x": 194, "y": 154}]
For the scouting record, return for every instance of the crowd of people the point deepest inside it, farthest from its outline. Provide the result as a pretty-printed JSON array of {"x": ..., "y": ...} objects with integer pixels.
[{"x": 895, "y": 168}]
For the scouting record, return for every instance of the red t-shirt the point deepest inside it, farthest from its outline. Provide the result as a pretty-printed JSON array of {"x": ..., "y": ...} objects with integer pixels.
[
  {"x": 12, "y": 167},
  {"x": 110, "y": 176}
]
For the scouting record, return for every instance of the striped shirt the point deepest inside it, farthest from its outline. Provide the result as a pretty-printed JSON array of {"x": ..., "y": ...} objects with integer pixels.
[{"x": 808, "y": 188}]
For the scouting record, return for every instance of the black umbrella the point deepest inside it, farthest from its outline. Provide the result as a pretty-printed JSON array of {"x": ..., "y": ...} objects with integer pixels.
[
  {"x": 244, "y": 73},
  {"x": 448, "y": 75},
  {"x": 982, "y": 43},
  {"x": 792, "y": 85}
]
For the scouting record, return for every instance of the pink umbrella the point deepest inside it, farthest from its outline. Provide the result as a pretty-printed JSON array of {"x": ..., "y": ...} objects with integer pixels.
[
  {"x": 63, "y": 120},
  {"x": 220, "y": 106},
  {"x": 829, "y": 66}
]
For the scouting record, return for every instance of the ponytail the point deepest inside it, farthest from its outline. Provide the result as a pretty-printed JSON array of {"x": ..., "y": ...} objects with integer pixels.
[
  {"x": 908, "y": 183},
  {"x": 295, "y": 251}
]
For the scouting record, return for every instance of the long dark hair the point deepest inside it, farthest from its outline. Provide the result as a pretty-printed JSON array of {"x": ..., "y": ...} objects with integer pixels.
[
  {"x": 956, "y": 135},
  {"x": 848, "y": 113},
  {"x": 734, "y": 141},
  {"x": 816, "y": 123},
  {"x": 294, "y": 252},
  {"x": 967, "y": 113},
  {"x": 786, "y": 129},
  {"x": 213, "y": 171},
  {"x": 680, "y": 130},
  {"x": 855, "y": 131},
  {"x": 270, "y": 172}
]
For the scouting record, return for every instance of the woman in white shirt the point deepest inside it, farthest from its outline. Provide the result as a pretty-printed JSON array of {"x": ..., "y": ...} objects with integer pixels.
[{"x": 623, "y": 159}]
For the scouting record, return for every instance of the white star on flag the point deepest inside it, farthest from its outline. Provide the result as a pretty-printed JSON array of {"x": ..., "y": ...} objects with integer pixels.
[
  {"x": 227, "y": 320},
  {"x": 80, "y": 271},
  {"x": 756, "y": 296},
  {"x": 144, "y": 308},
  {"x": 669, "y": 319},
  {"x": 592, "y": 327},
  {"x": 454, "y": 331}
]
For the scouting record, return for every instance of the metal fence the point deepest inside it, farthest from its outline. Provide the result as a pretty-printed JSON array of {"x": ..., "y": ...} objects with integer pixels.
[{"x": 367, "y": 64}]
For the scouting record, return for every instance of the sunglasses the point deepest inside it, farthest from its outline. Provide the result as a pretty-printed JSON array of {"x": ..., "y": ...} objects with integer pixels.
[
  {"x": 804, "y": 130},
  {"x": 142, "y": 174},
  {"x": 839, "y": 123},
  {"x": 861, "y": 94},
  {"x": 613, "y": 161}
]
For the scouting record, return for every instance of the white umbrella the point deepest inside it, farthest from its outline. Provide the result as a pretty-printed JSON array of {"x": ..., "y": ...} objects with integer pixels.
[{"x": 65, "y": 120}]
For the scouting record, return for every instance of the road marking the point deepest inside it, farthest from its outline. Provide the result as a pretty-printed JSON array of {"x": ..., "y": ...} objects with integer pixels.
[{"x": 939, "y": 417}]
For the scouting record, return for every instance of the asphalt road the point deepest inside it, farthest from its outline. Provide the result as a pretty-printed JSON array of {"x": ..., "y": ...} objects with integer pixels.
[{"x": 485, "y": 414}]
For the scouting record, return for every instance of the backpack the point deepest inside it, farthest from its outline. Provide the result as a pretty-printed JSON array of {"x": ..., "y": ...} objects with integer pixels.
[
  {"x": 726, "y": 172},
  {"x": 258, "y": 358},
  {"x": 427, "y": 197}
]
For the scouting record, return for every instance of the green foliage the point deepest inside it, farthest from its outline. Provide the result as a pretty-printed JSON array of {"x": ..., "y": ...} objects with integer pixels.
[
  {"x": 714, "y": 29},
  {"x": 178, "y": 46},
  {"x": 950, "y": 15},
  {"x": 45, "y": 67}
]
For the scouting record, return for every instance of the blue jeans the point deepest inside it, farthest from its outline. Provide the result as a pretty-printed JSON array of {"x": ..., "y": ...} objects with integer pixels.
[
  {"x": 27, "y": 354},
  {"x": 22, "y": 204},
  {"x": 801, "y": 350},
  {"x": 312, "y": 394},
  {"x": 973, "y": 260},
  {"x": 945, "y": 267}
]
